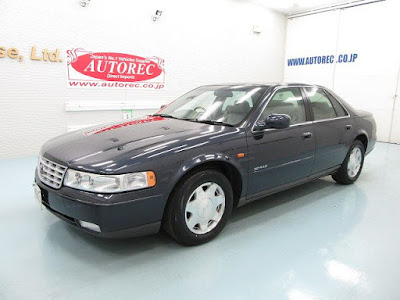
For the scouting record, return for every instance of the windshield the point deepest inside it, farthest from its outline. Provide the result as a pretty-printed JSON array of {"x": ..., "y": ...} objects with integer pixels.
[{"x": 215, "y": 104}]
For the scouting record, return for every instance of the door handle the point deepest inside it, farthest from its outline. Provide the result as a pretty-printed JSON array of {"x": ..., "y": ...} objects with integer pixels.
[
  {"x": 348, "y": 127},
  {"x": 306, "y": 135}
]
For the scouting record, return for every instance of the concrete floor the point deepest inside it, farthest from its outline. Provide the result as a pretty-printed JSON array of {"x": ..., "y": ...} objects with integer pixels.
[{"x": 317, "y": 241}]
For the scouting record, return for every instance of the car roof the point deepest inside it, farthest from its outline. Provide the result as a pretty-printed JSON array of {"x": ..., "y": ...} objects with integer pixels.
[{"x": 269, "y": 84}]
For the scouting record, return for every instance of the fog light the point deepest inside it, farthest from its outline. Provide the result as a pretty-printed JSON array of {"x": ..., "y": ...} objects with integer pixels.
[{"x": 90, "y": 226}]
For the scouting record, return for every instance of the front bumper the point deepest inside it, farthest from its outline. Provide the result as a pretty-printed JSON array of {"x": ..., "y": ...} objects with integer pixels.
[{"x": 120, "y": 215}]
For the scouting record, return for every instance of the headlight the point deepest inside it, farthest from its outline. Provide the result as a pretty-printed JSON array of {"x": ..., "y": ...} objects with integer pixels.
[{"x": 109, "y": 183}]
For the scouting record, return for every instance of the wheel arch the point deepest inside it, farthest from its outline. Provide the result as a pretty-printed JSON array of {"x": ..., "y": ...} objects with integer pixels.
[
  {"x": 218, "y": 162},
  {"x": 363, "y": 138}
]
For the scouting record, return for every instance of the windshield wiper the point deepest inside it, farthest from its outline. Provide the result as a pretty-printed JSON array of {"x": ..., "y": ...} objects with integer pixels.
[
  {"x": 164, "y": 116},
  {"x": 171, "y": 117},
  {"x": 212, "y": 122}
]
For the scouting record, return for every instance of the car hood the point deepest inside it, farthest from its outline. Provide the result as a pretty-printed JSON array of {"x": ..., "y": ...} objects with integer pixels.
[{"x": 96, "y": 149}]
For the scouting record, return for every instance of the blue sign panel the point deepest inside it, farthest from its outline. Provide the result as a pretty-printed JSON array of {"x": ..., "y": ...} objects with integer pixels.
[{"x": 322, "y": 59}]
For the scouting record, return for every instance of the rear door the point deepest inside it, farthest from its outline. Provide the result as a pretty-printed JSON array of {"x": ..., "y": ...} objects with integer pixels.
[
  {"x": 281, "y": 156},
  {"x": 333, "y": 129}
]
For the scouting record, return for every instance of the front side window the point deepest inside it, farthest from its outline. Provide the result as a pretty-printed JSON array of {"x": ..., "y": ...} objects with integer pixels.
[
  {"x": 287, "y": 101},
  {"x": 320, "y": 104},
  {"x": 228, "y": 105}
]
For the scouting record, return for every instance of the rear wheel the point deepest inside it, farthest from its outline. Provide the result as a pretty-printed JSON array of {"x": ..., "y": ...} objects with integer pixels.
[
  {"x": 351, "y": 168},
  {"x": 199, "y": 208}
]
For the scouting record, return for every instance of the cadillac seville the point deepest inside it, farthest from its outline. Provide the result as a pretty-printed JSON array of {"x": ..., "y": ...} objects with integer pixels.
[{"x": 187, "y": 166}]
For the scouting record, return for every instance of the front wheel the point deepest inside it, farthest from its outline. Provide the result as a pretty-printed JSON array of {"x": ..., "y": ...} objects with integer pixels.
[
  {"x": 351, "y": 168},
  {"x": 199, "y": 208}
]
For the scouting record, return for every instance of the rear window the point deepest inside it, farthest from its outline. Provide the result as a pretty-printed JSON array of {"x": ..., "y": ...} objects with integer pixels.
[{"x": 340, "y": 111}]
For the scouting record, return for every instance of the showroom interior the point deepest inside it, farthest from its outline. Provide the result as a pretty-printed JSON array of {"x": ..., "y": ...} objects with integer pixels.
[{"x": 318, "y": 240}]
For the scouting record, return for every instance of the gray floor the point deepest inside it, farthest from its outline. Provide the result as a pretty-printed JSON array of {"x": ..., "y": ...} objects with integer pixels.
[{"x": 319, "y": 240}]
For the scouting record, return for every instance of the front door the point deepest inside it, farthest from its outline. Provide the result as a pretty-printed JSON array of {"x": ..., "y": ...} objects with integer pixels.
[{"x": 281, "y": 156}]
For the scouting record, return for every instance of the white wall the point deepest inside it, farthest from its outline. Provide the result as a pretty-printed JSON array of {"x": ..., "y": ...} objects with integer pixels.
[
  {"x": 202, "y": 42},
  {"x": 370, "y": 82}
]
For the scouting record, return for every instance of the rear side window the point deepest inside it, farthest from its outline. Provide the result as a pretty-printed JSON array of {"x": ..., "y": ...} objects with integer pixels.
[
  {"x": 320, "y": 104},
  {"x": 340, "y": 111},
  {"x": 287, "y": 101}
]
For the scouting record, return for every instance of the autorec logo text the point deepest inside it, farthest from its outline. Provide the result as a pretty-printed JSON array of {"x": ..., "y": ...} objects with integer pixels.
[{"x": 116, "y": 85}]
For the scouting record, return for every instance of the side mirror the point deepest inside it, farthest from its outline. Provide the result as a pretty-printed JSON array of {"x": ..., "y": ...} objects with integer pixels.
[
  {"x": 163, "y": 106},
  {"x": 260, "y": 125},
  {"x": 277, "y": 121}
]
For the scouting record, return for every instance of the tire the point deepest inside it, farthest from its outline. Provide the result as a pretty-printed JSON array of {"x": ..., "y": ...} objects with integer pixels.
[
  {"x": 352, "y": 165},
  {"x": 193, "y": 202}
]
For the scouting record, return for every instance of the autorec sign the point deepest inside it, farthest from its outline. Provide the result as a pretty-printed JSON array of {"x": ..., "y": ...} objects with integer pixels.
[
  {"x": 101, "y": 69},
  {"x": 90, "y": 69}
]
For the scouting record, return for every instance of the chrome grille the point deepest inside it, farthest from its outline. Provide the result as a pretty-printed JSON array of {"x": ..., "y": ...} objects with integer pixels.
[{"x": 51, "y": 173}]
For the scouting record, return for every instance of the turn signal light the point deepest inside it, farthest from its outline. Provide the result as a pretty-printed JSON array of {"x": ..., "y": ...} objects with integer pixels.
[{"x": 151, "y": 178}]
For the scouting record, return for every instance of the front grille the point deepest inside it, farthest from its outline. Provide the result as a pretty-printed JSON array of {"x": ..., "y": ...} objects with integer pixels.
[{"x": 51, "y": 173}]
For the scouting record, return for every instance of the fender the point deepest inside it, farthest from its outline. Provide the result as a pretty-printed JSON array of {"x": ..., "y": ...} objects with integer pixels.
[
  {"x": 190, "y": 164},
  {"x": 360, "y": 132},
  {"x": 370, "y": 140},
  {"x": 366, "y": 126}
]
